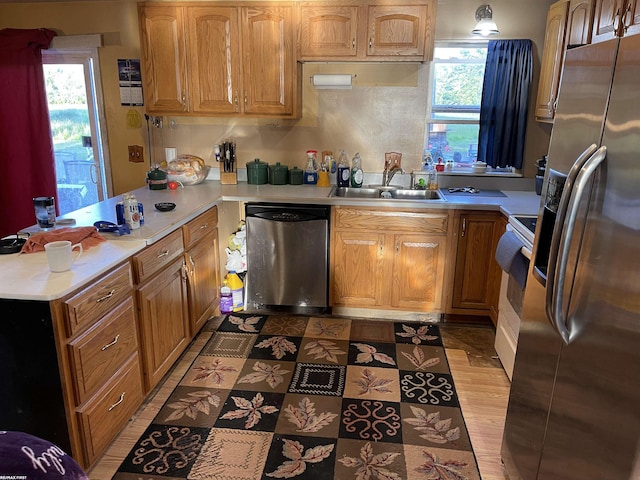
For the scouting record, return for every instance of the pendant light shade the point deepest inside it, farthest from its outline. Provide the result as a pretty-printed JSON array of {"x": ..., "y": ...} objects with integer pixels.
[{"x": 485, "y": 26}]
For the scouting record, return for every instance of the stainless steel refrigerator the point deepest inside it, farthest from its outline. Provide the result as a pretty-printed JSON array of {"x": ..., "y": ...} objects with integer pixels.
[{"x": 574, "y": 406}]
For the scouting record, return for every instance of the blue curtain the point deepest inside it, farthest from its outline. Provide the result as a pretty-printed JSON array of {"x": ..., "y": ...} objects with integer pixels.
[{"x": 505, "y": 99}]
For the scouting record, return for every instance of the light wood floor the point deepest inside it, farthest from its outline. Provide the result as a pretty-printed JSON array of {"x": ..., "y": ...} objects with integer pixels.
[{"x": 483, "y": 390}]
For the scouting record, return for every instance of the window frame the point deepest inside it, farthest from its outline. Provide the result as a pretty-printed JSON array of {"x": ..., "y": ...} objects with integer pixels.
[{"x": 429, "y": 121}]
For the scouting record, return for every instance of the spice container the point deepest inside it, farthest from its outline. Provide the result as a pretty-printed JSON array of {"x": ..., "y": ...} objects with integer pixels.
[
  {"x": 278, "y": 174},
  {"x": 257, "y": 172}
]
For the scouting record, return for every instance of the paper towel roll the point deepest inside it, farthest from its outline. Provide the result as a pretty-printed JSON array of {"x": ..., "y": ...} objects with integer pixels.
[
  {"x": 331, "y": 81},
  {"x": 170, "y": 154}
]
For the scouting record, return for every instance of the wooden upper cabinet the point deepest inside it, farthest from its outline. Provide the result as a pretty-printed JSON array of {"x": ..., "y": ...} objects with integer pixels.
[
  {"x": 367, "y": 31},
  {"x": 217, "y": 58},
  {"x": 397, "y": 30},
  {"x": 552, "y": 59},
  {"x": 579, "y": 21},
  {"x": 164, "y": 61},
  {"x": 328, "y": 31},
  {"x": 214, "y": 52},
  {"x": 268, "y": 62},
  {"x": 615, "y": 18}
]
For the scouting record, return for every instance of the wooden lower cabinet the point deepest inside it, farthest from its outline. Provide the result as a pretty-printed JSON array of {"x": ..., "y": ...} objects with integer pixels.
[
  {"x": 476, "y": 283},
  {"x": 388, "y": 259},
  {"x": 164, "y": 321}
]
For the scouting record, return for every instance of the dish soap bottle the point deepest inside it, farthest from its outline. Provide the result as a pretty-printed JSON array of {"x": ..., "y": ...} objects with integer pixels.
[
  {"x": 311, "y": 170},
  {"x": 357, "y": 174},
  {"x": 344, "y": 172}
]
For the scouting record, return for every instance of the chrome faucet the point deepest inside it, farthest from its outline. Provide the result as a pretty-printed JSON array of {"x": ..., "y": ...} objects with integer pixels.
[{"x": 389, "y": 172}]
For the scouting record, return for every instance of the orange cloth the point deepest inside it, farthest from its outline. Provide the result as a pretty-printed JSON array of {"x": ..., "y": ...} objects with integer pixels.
[{"x": 87, "y": 236}]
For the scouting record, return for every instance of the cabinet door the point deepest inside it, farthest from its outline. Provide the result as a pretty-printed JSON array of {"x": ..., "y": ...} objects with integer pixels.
[
  {"x": 418, "y": 272},
  {"x": 579, "y": 23},
  {"x": 632, "y": 18},
  {"x": 477, "y": 274},
  {"x": 163, "y": 59},
  {"x": 164, "y": 324},
  {"x": 269, "y": 64},
  {"x": 359, "y": 268},
  {"x": 328, "y": 31},
  {"x": 203, "y": 281},
  {"x": 397, "y": 30},
  {"x": 214, "y": 59},
  {"x": 552, "y": 58},
  {"x": 606, "y": 20}
]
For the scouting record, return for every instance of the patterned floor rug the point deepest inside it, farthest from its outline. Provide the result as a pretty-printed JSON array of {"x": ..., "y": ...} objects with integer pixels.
[{"x": 310, "y": 398}]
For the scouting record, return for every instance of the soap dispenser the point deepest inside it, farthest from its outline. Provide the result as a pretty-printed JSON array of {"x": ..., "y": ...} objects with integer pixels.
[{"x": 357, "y": 175}]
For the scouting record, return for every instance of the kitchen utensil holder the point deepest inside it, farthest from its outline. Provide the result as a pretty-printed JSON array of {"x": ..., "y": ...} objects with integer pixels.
[{"x": 227, "y": 178}]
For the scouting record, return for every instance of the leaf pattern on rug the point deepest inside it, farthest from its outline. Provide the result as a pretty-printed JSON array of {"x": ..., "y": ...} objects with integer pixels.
[
  {"x": 437, "y": 470},
  {"x": 213, "y": 372},
  {"x": 369, "y": 353},
  {"x": 279, "y": 345},
  {"x": 327, "y": 329},
  {"x": 324, "y": 349},
  {"x": 304, "y": 416},
  {"x": 298, "y": 458},
  {"x": 252, "y": 409},
  {"x": 272, "y": 374},
  {"x": 245, "y": 324},
  {"x": 194, "y": 403},
  {"x": 436, "y": 430},
  {"x": 416, "y": 336},
  {"x": 369, "y": 383},
  {"x": 418, "y": 361},
  {"x": 370, "y": 465}
]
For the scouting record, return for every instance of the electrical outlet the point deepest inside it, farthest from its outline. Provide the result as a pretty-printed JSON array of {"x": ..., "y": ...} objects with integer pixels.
[{"x": 136, "y": 153}]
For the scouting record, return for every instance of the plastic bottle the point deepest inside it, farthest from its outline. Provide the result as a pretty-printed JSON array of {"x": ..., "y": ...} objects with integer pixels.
[
  {"x": 226, "y": 299},
  {"x": 311, "y": 170},
  {"x": 344, "y": 172},
  {"x": 237, "y": 291},
  {"x": 357, "y": 174}
]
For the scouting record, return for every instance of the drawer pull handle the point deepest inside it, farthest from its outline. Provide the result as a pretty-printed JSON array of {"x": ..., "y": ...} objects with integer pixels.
[
  {"x": 118, "y": 402},
  {"x": 202, "y": 227},
  {"x": 106, "y": 297},
  {"x": 115, "y": 340},
  {"x": 164, "y": 254}
]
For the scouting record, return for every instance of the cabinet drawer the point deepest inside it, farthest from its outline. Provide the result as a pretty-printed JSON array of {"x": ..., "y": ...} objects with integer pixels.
[
  {"x": 98, "y": 299},
  {"x": 156, "y": 256},
  {"x": 200, "y": 226},
  {"x": 102, "y": 418},
  {"x": 412, "y": 221},
  {"x": 97, "y": 354}
]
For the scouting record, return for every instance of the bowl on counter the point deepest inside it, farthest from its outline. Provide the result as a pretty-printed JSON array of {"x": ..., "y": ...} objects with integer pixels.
[{"x": 165, "y": 206}]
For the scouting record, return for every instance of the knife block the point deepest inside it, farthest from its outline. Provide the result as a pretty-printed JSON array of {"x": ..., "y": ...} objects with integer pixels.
[{"x": 227, "y": 178}]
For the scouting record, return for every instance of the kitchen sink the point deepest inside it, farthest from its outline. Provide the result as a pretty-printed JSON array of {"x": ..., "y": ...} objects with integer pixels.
[{"x": 387, "y": 193}]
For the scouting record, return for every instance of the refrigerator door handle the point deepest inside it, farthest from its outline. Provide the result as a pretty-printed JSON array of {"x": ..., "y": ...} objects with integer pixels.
[{"x": 558, "y": 271}]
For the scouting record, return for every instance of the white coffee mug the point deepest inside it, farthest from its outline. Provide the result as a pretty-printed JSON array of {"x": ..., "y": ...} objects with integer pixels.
[{"x": 59, "y": 255}]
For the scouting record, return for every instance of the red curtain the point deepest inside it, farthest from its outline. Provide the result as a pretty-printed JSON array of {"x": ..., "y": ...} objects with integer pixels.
[{"x": 27, "y": 165}]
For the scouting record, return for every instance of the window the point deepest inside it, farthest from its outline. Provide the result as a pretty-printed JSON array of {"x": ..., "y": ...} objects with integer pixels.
[
  {"x": 76, "y": 115},
  {"x": 453, "y": 112}
]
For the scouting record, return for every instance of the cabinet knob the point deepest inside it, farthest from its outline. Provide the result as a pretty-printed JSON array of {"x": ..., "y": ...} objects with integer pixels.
[
  {"x": 235, "y": 102},
  {"x": 353, "y": 44}
]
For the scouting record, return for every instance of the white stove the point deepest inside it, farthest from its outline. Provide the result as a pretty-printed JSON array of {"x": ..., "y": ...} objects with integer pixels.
[{"x": 512, "y": 295}]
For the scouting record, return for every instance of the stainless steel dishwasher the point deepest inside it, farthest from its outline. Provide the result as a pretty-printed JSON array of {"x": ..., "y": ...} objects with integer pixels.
[{"x": 287, "y": 258}]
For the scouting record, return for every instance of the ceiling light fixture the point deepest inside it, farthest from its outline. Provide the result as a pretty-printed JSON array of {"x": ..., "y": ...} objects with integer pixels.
[{"x": 486, "y": 25}]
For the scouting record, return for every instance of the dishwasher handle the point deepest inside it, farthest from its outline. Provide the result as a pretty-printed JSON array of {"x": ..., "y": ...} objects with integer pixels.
[{"x": 287, "y": 214}]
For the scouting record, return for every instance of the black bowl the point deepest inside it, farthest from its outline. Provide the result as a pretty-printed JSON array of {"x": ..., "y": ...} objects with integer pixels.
[{"x": 165, "y": 206}]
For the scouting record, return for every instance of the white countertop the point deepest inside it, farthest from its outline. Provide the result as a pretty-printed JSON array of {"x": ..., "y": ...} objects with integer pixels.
[{"x": 27, "y": 277}]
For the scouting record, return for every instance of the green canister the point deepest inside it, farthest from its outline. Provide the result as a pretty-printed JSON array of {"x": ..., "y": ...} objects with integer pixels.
[
  {"x": 257, "y": 172},
  {"x": 278, "y": 174},
  {"x": 157, "y": 179},
  {"x": 296, "y": 176}
]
